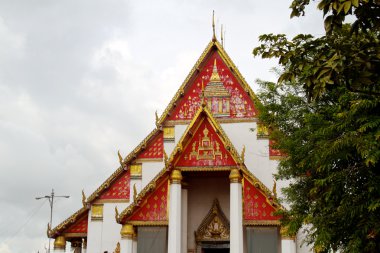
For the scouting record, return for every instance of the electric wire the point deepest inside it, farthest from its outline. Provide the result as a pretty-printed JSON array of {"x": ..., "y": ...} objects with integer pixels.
[{"x": 28, "y": 219}]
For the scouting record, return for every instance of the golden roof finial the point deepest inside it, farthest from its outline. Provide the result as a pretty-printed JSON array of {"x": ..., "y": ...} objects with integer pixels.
[
  {"x": 117, "y": 249},
  {"x": 243, "y": 154},
  {"x": 120, "y": 158},
  {"x": 83, "y": 199},
  {"x": 274, "y": 190},
  {"x": 213, "y": 27},
  {"x": 221, "y": 35},
  {"x": 157, "y": 119},
  {"x": 116, "y": 213}
]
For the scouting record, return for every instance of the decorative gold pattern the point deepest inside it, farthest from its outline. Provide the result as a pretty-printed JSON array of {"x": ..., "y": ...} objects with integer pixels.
[
  {"x": 59, "y": 242},
  {"x": 97, "y": 212},
  {"x": 262, "y": 131},
  {"x": 169, "y": 134},
  {"x": 127, "y": 231},
  {"x": 176, "y": 177},
  {"x": 63, "y": 225},
  {"x": 117, "y": 249},
  {"x": 131, "y": 156},
  {"x": 136, "y": 170},
  {"x": 235, "y": 176},
  {"x": 212, "y": 44},
  {"x": 261, "y": 223},
  {"x": 215, "y": 226}
]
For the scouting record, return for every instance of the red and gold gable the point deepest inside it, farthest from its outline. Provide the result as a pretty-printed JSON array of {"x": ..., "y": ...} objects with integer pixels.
[
  {"x": 119, "y": 189},
  {"x": 154, "y": 149},
  {"x": 274, "y": 153},
  {"x": 227, "y": 99},
  {"x": 205, "y": 148},
  {"x": 256, "y": 205},
  {"x": 154, "y": 206},
  {"x": 79, "y": 227}
]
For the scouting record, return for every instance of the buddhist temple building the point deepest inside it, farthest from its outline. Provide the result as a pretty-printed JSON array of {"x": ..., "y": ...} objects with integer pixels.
[{"x": 200, "y": 182}]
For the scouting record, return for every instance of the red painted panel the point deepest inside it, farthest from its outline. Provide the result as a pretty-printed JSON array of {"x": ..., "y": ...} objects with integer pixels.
[
  {"x": 227, "y": 98},
  {"x": 119, "y": 188},
  {"x": 80, "y": 226},
  {"x": 154, "y": 207},
  {"x": 205, "y": 149},
  {"x": 274, "y": 152},
  {"x": 256, "y": 206},
  {"x": 154, "y": 148}
]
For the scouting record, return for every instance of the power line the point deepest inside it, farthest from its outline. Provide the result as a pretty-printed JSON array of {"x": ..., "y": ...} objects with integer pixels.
[{"x": 33, "y": 213}]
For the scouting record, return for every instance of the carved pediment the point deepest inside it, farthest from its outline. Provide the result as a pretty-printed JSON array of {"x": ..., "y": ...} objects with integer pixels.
[{"x": 215, "y": 226}]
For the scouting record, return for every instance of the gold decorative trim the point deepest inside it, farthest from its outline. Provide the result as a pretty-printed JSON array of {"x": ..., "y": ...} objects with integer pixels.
[
  {"x": 235, "y": 176},
  {"x": 63, "y": 225},
  {"x": 218, "y": 129},
  {"x": 176, "y": 176},
  {"x": 211, "y": 168},
  {"x": 103, "y": 201},
  {"x": 97, "y": 212},
  {"x": 214, "y": 226},
  {"x": 235, "y": 71},
  {"x": 140, "y": 160},
  {"x": 127, "y": 160},
  {"x": 127, "y": 231},
  {"x": 261, "y": 223},
  {"x": 220, "y": 120},
  {"x": 75, "y": 235},
  {"x": 136, "y": 169},
  {"x": 276, "y": 158},
  {"x": 136, "y": 202},
  {"x": 149, "y": 223},
  {"x": 60, "y": 242}
]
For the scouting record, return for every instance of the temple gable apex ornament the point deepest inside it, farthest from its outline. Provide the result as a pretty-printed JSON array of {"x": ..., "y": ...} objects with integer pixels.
[{"x": 215, "y": 226}]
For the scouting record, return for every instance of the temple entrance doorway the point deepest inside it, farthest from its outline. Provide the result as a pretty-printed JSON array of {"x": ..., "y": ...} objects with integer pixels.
[
  {"x": 213, "y": 234},
  {"x": 221, "y": 248}
]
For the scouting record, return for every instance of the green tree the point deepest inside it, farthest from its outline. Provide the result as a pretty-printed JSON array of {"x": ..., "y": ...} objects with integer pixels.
[{"x": 324, "y": 113}]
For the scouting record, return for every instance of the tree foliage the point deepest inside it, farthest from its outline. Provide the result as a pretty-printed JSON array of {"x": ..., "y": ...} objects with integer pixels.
[{"x": 324, "y": 113}]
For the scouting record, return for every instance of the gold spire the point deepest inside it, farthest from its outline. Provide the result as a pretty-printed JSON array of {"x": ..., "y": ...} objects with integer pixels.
[
  {"x": 83, "y": 199},
  {"x": 116, "y": 213},
  {"x": 215, "y": 75},
  {"x": 221, "y": 35},
  {"x": 213, "y": 27},
  {"x": 120, "y": 158}
]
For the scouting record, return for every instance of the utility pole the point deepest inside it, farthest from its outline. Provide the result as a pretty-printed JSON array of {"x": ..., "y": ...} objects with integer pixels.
[{"x": 51, "y": 202}]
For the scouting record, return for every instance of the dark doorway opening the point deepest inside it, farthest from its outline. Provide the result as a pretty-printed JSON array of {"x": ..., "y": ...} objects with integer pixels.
[{"x": 223, "y": 250}]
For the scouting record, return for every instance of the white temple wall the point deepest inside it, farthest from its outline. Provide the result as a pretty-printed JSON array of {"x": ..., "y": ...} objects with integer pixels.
[
  {"x": 149, "y": 171},
  {"x": 94, "y": 234},
  {"x": 256, "y": 151},
  {"x": 111, "y": 229},
  {"x": 179, "y": 130},
  {"x": 201, "y": 194}
]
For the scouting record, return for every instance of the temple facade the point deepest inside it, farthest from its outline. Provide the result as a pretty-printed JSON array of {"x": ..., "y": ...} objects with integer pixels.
[{"x": 200, "y": 182}]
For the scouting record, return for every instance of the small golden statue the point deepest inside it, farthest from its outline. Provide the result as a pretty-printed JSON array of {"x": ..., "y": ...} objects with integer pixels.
[{"x": 117, "y": 249}]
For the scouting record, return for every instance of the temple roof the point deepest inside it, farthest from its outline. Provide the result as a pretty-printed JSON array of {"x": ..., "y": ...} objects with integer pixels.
[
  {"x": 214, "y": 78},
  {"x": 170, "y": 163},
  {"x": 66, "y": 224}
]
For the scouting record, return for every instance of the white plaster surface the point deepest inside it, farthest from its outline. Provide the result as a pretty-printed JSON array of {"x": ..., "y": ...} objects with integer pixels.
[
  {"x": 288, "y": 246},
  {"x": 174, "y": 238},
  {"x": 111, "y": 229},
  {"x": 126, "y": 245},
  {"x": 184, "y": 220},
  {"x": 236, "y": 220},
  {"x": 149, "y": 171},
  {"x": 94, "y": 235}
]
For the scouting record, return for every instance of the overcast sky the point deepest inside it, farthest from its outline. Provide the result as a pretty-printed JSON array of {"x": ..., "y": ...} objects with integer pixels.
[{"x": 80, "y": 79}]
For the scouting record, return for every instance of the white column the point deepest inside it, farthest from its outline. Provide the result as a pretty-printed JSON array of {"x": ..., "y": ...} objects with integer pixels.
[
  {"x": 126, "y": 244},
  {"x": 174, "y": 238},
  {"x": 184, "y": 218},
  {"x": 236, "y": 212},
  {"x": 134, "y": 243},
  {"x": 288, "y": 245},
  {"x": 84, "y": 245},
  {"x": 59, "y": 244}
]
